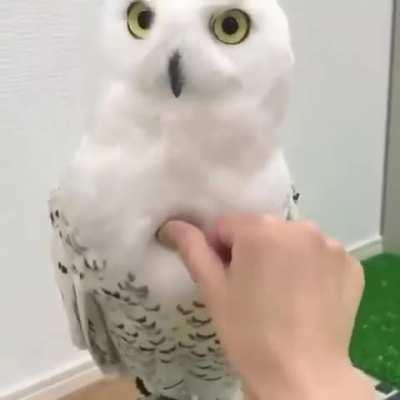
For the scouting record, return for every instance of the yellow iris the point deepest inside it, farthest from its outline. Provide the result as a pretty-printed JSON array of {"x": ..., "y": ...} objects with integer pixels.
[
  {"x": 140, "y": 19},
  {"x": 231, "y": 27}
]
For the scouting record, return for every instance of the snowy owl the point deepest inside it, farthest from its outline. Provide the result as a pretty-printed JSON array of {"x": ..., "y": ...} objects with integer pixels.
[{"x": 186, "y": 127}]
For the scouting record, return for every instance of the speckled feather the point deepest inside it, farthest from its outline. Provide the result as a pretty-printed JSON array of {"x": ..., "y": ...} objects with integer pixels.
[{"x": 123, "y": 327}]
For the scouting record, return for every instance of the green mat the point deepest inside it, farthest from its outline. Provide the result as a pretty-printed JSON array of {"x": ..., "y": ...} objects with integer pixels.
[{"x": 376, "y": 340}]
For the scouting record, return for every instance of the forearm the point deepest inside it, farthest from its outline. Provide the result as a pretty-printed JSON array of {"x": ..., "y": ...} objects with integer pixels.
[{"x": 344, "y": 385}]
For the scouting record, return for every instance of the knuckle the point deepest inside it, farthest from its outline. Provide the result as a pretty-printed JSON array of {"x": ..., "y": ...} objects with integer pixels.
[
  {"x": 261, "y": 234},
  {"x": 311, "y": 229},
  {"x": 268, "y": 220},
  {"x": 254, "y": 239},
  {"x": 335, "y": 246},
  {"x": 270, "y": 227}
]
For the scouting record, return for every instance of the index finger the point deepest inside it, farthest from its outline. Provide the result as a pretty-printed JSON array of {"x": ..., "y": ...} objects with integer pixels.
[{"x": 230, "y": 226}]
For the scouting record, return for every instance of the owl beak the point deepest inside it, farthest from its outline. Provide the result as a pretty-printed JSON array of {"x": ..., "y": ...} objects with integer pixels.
[{"x": 175, "y": 74}]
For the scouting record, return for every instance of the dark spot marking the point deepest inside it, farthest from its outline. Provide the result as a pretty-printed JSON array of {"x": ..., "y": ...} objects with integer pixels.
[
  {"x": 204, "y": 367},
  {"x": 213, "y": 379},
  {"x": 165, "y": 361},
  {"x": 142, "y": 388},
  {"x": 168, "y": 351},
  {"x": 142, "y": 291},
  {"x": 183, "y": 311},
  {"x": 63, "y": 269},
  {"x": 116, "y": 295},
  {"x": 197, "y": 304},
  {"x": 200, "y": 321},
  {"x": 121, "y": 326},
  {"x": 211, "y": 349},
  {"x": 200, "y": 355},
  {"x": 125, "y": 339},
  {"x": 150, "y": 326},
  {"x": 157, "y": 342},
  {"x": 134, "y": 334},
  {"x": 205, "y": 337},
  {"x": 157, "y": 332},
  {"x": 155, "y": 308},
  {"x": 146, "y": 349},
  {"x": 200, "y": 376},
  {"x": 52, "y": 218},
  {"x": 131, "y": 277},
  {"x": 57, "y": 213},
  {"x": 186, "y": 346},
  {"x": 141, "y": 320},
  {"x": 174, "y": 385},
  {"x": 91, "y": 326},
  {"x": 68, "y": 240}
]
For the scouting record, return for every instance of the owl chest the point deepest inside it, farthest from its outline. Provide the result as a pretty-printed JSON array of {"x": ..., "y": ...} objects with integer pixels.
[{"x": 129, "y": 201}]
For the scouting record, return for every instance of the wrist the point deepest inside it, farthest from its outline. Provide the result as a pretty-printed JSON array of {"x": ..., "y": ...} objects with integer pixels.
[{"x": 330, "y": 382}]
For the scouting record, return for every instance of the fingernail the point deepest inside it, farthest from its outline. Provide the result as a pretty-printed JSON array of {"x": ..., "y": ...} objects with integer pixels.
[{"x": 164, "y": 239}]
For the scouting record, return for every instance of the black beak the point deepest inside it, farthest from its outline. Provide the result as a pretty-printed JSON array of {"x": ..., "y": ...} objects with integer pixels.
[{"x": 175, "y": 74}]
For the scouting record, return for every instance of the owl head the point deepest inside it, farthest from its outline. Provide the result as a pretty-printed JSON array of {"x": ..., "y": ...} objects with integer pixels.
[{"x": 177, "y": 50}]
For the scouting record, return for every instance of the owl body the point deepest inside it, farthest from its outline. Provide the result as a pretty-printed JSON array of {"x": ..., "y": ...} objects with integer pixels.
[{"x": 186, "y": 128}]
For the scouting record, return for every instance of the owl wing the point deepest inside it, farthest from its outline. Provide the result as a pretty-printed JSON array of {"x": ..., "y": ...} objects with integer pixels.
[
  {"x": 86, "y": 323},
  {"x": 293, "y": 213}
]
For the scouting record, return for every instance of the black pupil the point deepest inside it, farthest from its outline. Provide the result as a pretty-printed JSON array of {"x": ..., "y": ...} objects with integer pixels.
[
  {"x": 230, "y": 25},
  {"x": 145, "y": 19}
]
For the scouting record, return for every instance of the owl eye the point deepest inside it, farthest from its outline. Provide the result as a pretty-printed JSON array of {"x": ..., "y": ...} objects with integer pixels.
[
  {"x": 231, "y": 27},
  {"x": 140, "y": 19}
]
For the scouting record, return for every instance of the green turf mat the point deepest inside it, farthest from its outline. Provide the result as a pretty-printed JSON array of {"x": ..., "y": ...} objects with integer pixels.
[{"x": 376, "y": 340}]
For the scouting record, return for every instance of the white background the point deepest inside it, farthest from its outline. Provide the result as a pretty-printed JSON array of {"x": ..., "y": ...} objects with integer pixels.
[{"x": 334, "y": 139}]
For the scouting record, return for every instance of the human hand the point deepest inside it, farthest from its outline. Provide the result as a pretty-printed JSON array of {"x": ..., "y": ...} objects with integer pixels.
[{"x": 284, "y": 305}]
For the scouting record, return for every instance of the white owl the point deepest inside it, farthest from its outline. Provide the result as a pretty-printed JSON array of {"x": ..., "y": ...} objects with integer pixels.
[{"x": 186, "y": 127}]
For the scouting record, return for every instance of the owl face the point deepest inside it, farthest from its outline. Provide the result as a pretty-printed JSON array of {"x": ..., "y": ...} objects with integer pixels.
[{"x": 177, "y": 50}]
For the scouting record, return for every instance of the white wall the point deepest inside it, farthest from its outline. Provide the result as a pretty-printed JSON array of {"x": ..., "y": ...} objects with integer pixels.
[
  {"x": 40, "y": 124},
  {"x": 335, "y": 141},
  {"x": 336, "y": 131}
]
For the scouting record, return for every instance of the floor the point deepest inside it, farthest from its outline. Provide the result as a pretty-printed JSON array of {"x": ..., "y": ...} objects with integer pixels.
[
  {"x": 123, "y": 390},
  {"x": 106, "y": 390}
]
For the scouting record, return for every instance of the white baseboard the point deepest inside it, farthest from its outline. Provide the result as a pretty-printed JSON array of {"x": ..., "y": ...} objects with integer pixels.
[
  {"x": 84, "y": 373},
  {"x": 58, "y": 384},
  {"x": 367, "y": 248}
]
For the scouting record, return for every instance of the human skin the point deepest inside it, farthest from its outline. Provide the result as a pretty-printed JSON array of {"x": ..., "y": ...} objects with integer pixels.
[{"x": 284, "y": 303}]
